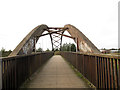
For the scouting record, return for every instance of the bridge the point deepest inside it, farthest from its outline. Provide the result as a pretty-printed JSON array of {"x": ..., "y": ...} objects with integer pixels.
[{"x": 26, "y": 68}]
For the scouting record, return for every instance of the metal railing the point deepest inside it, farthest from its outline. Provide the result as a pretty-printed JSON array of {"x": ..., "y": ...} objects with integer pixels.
[
  {"x": 103, "y": 71},
  {"x": 15, "y": 70}
]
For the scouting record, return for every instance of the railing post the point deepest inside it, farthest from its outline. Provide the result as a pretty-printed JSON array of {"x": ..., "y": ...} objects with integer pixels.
[
  {"x": 96, "y": 70},
  {"x": 76, "y": 61},
  {"x": 0, "y": 74},
  {"x": 119, "y": 72}
]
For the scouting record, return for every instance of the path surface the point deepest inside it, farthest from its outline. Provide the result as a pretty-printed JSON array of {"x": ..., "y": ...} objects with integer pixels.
[{"x": 56, "y": 73}]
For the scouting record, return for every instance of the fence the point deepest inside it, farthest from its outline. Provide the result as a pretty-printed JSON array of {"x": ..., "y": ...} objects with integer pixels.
[
  {"x": 103, "y": 71},
  {"x": 15, "y": 70}
]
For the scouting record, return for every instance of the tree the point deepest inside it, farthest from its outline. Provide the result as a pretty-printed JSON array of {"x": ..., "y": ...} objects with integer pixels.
[
  {"x": 3, "y": 50},
  {"x": 5, "y": 53},
  {"x": 73, "y": 47},
  {"x": 39, "y": 50},
  {"x": 47, "y": 49},
  {"x": 68, "y": 47}
]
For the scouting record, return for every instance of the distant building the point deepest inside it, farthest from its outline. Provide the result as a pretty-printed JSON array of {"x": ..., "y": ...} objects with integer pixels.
[{"x": 107, "y": 51}]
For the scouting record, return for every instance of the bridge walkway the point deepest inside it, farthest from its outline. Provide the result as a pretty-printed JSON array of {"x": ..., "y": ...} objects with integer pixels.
[{"x": 56, "y": 73}]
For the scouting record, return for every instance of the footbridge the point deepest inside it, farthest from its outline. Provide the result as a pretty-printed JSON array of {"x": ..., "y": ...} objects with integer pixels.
[{"x": 26, "y": 68}]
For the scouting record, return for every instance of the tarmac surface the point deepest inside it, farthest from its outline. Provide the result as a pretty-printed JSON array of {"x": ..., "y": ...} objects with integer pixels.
[{"x": 55, "y": 73}]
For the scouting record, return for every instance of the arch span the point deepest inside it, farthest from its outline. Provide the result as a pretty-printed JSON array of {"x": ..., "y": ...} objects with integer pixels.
[
  {"x": 27, "y": 45},
  {"x": 84, "y": 44}
]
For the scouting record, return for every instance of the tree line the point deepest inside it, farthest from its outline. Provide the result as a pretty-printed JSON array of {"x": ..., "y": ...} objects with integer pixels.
[
  {"x": 64, "y": 47},
  {"x": 4, "y": 53}
]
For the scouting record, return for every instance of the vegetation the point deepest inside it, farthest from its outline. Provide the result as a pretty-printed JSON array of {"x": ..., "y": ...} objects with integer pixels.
[
  {"x": 39, "y": 50},
  {"x": 80, "y": 75},
  {"x": 68, "y": 47},
  {"x": 47, "y": 49},
  {"x": 4, "y": 53},
  {"x": 57, "y": 53}
]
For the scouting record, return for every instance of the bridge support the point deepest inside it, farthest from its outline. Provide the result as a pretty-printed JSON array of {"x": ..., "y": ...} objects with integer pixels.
[
  {"x": 77, "y": 45},
  {"x": 35, "y": 41},
  {"x": 0, "y": 74}
]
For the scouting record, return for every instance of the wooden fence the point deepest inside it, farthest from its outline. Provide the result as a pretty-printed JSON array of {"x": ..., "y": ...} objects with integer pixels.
[
  {"x": 103, "y": 71},
  {"x": 15, "y": 70}
]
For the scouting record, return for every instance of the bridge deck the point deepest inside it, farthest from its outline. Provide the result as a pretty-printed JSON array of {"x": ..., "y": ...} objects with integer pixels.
[{"x": 56, "y": 73}]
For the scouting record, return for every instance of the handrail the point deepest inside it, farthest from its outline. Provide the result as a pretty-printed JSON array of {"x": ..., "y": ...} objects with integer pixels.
[
  {"x": 17, "y": 56},
  {"x": 97, "y": 54}
]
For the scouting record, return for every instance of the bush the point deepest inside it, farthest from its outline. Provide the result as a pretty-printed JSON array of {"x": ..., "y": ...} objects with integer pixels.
[{"x": 57, "y": 53}]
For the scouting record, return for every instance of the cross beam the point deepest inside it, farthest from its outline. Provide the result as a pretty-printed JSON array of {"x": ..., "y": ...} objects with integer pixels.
[
  {"x": 57, "y": 28},
  {"x": 56, "y": 33}
]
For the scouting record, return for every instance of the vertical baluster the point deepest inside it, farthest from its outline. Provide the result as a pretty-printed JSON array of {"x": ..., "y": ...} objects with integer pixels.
[
  {"x": 116, "y": 74},
  {"x": 83, "y": 64},
  {"x": 4, "y": 76},
  {"x": 15, "y": 74},
  {"x": 1, "y": 73},
  {"x": 107, "y": 69},
  {"x": 103, "y": 73},
  {"x": 119, "y": 72},
  {"x": 105, "y": 61},
  {"x": 109, "y": 81},
  {"x": 90, "y": 68},
  {"x": 98, "y": 71},
  {"x": 112, "y": 76},
  {"x": 112, "y": 73}
]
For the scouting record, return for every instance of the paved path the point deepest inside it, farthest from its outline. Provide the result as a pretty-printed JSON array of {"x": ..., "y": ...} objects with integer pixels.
[{"x": 56, "y": 73}]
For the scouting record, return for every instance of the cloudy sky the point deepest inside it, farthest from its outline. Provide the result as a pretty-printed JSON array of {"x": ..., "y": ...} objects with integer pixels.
[{"x": 97, "y": 19}]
